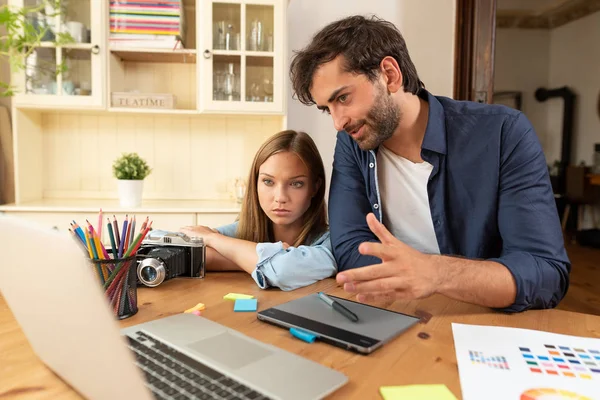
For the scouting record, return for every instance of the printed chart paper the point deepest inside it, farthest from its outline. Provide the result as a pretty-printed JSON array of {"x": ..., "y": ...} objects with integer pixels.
[{"x": 522, "y": 364}]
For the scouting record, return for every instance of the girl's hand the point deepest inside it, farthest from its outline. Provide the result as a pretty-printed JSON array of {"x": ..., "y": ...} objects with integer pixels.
[{"x": 204, "y": 232}]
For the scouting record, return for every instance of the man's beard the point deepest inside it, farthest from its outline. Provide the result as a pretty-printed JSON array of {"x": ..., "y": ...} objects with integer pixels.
[{"x": 381, "y": 122}]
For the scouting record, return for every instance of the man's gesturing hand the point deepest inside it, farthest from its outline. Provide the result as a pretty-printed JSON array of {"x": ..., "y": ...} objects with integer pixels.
[{"x": 404, "y": 273}]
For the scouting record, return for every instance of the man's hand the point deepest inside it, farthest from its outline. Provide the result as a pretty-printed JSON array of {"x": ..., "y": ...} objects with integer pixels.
[{"x": 404, "y": 273}]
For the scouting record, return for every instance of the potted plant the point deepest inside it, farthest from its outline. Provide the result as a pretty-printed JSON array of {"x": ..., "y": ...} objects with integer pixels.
[
  {"x": 24, "y": 29},
  {"x": 130, "y": 170}
]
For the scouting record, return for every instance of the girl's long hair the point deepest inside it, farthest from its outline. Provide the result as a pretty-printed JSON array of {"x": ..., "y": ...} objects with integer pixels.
[{"x": 254, "y": 225}]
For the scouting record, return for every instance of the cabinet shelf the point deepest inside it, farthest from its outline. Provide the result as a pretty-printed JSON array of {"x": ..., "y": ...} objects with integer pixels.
[
  {"x": 173, "y": 111},
  {"x": 75, "y": 46},
  {"x": 156, "y": 55},
  {"x": 110, "y": 206},
  {"x": 246, "y": 53},
  {"x": 64, "y": 144}
]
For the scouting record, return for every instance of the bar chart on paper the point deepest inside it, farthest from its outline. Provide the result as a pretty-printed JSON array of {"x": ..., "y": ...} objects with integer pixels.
[{"x": 511, "y": 363}]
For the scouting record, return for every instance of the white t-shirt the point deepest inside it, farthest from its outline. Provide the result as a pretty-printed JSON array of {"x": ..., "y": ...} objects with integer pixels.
[{"x": 403, "y": 190}]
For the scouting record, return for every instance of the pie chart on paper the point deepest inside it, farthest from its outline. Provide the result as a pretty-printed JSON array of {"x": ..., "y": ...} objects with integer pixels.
[{"x": 551, "y": 394}]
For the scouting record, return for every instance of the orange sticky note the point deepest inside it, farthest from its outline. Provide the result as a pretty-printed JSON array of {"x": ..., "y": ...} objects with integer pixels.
[{"x": 197, "y": 307}]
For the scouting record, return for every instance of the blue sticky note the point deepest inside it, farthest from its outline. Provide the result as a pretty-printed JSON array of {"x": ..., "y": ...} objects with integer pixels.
[{"x": 242, "y": 305}]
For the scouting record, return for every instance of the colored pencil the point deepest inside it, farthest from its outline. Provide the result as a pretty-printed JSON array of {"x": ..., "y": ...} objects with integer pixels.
[
  {"x": 93, "y": 256},
  {"x": 92, "y": 243},
  {"x": 112, "y": 239},
  {"x": 144, "y": 224},
  {"x": 77, "y": 239},
  {"x": 89, "y": 246},
  {"x": 102, "y": 253},
  {"x": 79, "y": 231},
  {"x": 100, "y": 226},
  {"x": 123, "y": 233},
  {"x": 132, "y": 231},
  {"x": 110, "y": 282},
  {"x": 128, "y": 234},
  {"x": 97, "y": 244},
  {"x": 122, "y": 290},
  {"x": 116, "y": 229}
]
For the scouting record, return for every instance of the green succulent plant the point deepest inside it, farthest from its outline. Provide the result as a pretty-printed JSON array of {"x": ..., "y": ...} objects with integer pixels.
[{"x": 130, "y": 166}]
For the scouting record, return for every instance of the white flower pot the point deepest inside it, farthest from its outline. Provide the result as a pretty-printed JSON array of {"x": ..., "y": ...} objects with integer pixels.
[{"x": 130, "y": 192}]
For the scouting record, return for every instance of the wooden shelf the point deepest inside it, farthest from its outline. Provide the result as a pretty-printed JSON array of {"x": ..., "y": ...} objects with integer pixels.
[
  {"x": 110, "y": 206},
  {"x": 246, "y": 53},
  {"x": 259, "y": 54},
  {"x": 76, "y": 46},
  {"x": 173, "y": 111},
  {"x": 156, "y": 55}
]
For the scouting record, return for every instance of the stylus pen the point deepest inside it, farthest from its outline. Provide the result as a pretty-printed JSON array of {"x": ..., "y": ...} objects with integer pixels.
[{"x": 338, "y": 307}]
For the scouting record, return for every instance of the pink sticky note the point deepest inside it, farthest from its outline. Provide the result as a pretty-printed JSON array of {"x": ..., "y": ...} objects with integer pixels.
[{"x": 196, "y": 312}]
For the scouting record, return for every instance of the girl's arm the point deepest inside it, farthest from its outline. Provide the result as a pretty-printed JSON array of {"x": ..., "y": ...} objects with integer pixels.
[
  {"x": 216, "y": 262},
  {"x": 277, "y": 264},
  {"x": 271, "y": 264},
  {"x": 222, "y": 248},
  {"x": 294, "y": 267},
  {"x": 241, "y": 253}
]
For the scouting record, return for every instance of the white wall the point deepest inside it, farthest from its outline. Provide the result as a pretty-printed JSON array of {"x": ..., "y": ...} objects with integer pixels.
[
  {"x": 427, "y": 25},
  {"x": 522, "y": 63},
  {"x": 565, "y": 56},
  {"x": 575, "y": 62}
]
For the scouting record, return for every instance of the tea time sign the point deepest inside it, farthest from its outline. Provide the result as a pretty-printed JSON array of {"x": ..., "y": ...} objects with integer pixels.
[{"x": 142, "y": 100}]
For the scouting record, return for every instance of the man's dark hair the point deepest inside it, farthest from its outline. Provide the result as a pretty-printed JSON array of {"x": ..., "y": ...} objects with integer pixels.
[{"x": 363, "y": 42}]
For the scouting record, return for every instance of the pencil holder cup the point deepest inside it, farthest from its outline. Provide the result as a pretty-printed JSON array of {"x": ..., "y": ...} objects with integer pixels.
[{"x": 119, "y": 280}]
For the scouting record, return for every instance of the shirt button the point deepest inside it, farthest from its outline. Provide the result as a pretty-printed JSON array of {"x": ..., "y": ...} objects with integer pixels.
[
  {"x": 376, "y": 206},
  {"x": 438, "y": 222},
  {"x": 371, "y": 165}
]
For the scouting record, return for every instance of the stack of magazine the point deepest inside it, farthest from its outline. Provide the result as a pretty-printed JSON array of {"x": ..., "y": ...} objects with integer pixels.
[{"x": 151, "y": 24}]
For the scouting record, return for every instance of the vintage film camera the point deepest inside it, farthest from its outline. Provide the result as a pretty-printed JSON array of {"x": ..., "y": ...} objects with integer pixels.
[{"x": 164, "y": 255}]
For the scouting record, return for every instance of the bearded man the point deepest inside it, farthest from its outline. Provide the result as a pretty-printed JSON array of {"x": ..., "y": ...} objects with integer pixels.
[{"x": 428, "y": 194}]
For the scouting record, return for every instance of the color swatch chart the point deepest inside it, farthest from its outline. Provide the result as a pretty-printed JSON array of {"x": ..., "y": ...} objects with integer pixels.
[
  {"x": 496, "y": 362},
  {"x": 563, "y": 361}
]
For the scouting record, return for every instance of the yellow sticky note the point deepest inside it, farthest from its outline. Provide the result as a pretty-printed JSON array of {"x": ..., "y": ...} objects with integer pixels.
[
  {"x": 416, "y": 392},
  {"x": 235, "y": 296},
  {"x": 197, "y": 307}
]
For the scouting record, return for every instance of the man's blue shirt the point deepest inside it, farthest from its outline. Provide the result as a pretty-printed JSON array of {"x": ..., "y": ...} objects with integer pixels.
[{"x": 489, "y": 194}]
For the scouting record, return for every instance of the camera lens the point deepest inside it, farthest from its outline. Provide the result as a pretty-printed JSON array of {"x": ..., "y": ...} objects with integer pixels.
[
  {"x": 151, "y": 272},
  {"x": 148, "y": 274}
]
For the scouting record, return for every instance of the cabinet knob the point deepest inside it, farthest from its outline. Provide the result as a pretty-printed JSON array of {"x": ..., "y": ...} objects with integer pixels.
[
  {"x": 207, "y": 54},
  {"x": 96, "y": 49}
]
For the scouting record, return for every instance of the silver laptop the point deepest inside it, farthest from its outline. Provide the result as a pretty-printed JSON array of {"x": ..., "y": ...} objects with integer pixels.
[{"x": 54, "y": 295}]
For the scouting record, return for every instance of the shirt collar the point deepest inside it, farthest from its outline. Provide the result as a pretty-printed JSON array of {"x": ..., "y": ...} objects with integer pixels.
[{"x": 435, "y": 133}]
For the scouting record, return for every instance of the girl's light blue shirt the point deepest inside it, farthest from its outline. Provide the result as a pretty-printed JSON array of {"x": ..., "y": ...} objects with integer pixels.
[{"x": 290, "y": 268}]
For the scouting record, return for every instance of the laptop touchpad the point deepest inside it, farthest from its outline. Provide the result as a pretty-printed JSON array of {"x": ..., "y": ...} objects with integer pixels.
[{"x": 230, "y": 350}]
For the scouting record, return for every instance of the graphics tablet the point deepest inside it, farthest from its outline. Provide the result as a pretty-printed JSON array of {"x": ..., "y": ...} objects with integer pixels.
[{"x": 375, "y": 326}]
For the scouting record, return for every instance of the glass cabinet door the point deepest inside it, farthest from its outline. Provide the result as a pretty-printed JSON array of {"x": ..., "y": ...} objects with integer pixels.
[
  {"x": 66, "y": 68},
  {"x": 226, "y": 46},
  {"x": 243, "y": 55}
]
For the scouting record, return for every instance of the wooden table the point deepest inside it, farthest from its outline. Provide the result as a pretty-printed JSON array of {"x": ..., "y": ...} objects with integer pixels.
[{"x": 423, "y": 354}]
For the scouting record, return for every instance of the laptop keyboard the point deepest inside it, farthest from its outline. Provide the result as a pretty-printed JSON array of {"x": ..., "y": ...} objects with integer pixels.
[{"x": 171, "y": 374}]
